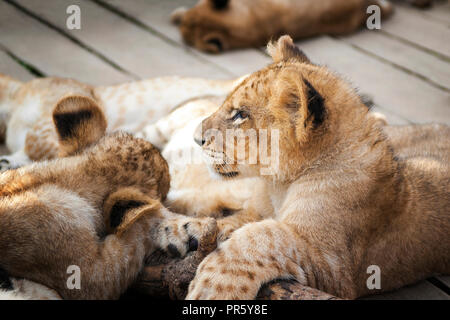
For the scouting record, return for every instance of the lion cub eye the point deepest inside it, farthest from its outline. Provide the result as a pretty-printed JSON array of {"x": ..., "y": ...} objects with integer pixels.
[{"x": 240, "y": 115}]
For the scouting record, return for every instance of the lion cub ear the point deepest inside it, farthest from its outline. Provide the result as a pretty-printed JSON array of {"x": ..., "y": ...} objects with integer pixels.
[
  {"x": 126, "y": 206},
  {"x": 176, "y": 17},
  {"x": 219, "y": 4},
  {"x": 285, "y": 49},
  {"x": 79, "y": 122}
]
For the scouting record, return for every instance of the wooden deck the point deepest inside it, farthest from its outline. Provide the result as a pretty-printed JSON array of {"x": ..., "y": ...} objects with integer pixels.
[{"x": 405, "y": 66}]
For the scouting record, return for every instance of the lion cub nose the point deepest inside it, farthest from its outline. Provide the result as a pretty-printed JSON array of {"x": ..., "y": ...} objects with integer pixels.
[
  {"x": 200, "y": 142},
  {"x": 198, "y": 136}
]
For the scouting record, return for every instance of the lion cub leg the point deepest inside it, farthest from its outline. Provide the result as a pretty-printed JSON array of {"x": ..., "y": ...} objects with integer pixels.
[
  {"x": 255, "y": 254},
  {"x": 176, "y": 234}
]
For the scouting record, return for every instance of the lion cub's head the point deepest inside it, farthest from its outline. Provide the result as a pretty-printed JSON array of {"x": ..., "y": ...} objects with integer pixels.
[
  {"x": 280, "y": 118},
  {"x": 216, "y": 25}
]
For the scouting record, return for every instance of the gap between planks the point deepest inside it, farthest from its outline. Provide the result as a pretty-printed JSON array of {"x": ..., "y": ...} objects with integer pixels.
[
  {"x": 53, "y": 54},
  {"x": 71, "y": 38}
]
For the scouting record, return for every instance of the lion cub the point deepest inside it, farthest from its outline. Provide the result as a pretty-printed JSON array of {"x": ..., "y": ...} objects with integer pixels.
[
  {"x": 71, "y": 211},
  {"x": 219, "y": 25},
  {"x": 348, "y": 194}
]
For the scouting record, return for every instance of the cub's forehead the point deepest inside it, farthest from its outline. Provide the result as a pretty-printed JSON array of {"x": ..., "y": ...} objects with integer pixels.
[{"x": 256, "y": 87}]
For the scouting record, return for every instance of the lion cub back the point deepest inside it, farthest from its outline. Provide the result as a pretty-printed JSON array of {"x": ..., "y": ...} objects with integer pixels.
[
  {"x": 430, "y": 141},
  {"x": 424, "y": 152}
]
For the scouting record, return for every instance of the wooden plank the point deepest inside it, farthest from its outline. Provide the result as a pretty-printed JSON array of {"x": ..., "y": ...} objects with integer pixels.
[
  {"x": 423, "y": 64},
  {"x": 153, "y": 13},
  {"x": 439, "y": 12},
  {"x": 422, "y": 31},
  {"x": 12, "y": 68},
  {"x": 393, "y": 89},
  {"x": 156, "y": 15},
  {"x": 421, "y": 291},
  {"x": 392, "y": 118},
  {"x": 51, "y": 52},
  {"x": 129, "y": 46}
]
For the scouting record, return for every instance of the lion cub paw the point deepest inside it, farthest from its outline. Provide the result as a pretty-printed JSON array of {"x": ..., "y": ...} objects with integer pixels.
[
  {"x": 181, "y": 235},
  {"x": 13, "y": 161},
  {"x": 4, "y": 164},
  {"x": 8, "y": 163}
]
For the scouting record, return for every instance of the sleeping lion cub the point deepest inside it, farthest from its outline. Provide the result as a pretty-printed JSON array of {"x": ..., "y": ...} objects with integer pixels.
[
  {"x": 219, "y": 25},
  {"x": 193, "y": 192},
  {"x": 163, "y": 111},
  {"x": 346, "y": 195},
  {"x": 97, "y": 209},
  {"x": 53, "y": 215}
]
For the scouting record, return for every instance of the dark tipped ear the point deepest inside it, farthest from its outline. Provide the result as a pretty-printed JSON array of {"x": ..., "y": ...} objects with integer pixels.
[
  {"x": 219, "y": 4},
  {"x": 79, "y": 122},
  {"x": 285, "y": 49},
  {"x": 176, "y": 17},
  {"x": 316, "y": 106},
  {"x": 119, "y": 209},
  {"x": 214, "y": 43},
  {"x": 125, "y": 206}
]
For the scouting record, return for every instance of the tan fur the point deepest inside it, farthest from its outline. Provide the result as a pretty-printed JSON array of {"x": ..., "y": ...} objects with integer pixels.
[
  {"x": 51, "y": 217},
  {"x": 194, "y": 192},
  {"x": 251, "y": 23},
  {"x": 29, "y": 108},
  {"x": 175, "y": 231},
  {"x": 53, "y": 214},
  {"x": 349, "y": 193}
]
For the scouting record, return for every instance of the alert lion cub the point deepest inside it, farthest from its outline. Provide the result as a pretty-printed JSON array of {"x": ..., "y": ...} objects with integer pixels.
[
  {"x": 220, "y": 25},
  {"x": 347, "y": 195}
]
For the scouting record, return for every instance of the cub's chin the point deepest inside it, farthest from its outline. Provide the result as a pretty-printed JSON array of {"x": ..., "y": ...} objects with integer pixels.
[
  {"x": 219, "y": 173},
  {"x": 231, "y": 174}
]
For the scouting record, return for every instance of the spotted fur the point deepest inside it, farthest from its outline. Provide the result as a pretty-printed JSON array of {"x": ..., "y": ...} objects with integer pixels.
[
  {"x": 81, "y": 122},
  {"x": 63, "y": 212}
]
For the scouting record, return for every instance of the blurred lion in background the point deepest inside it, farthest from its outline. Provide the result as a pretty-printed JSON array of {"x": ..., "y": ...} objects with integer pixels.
[{"x": 220, "y": 25}]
